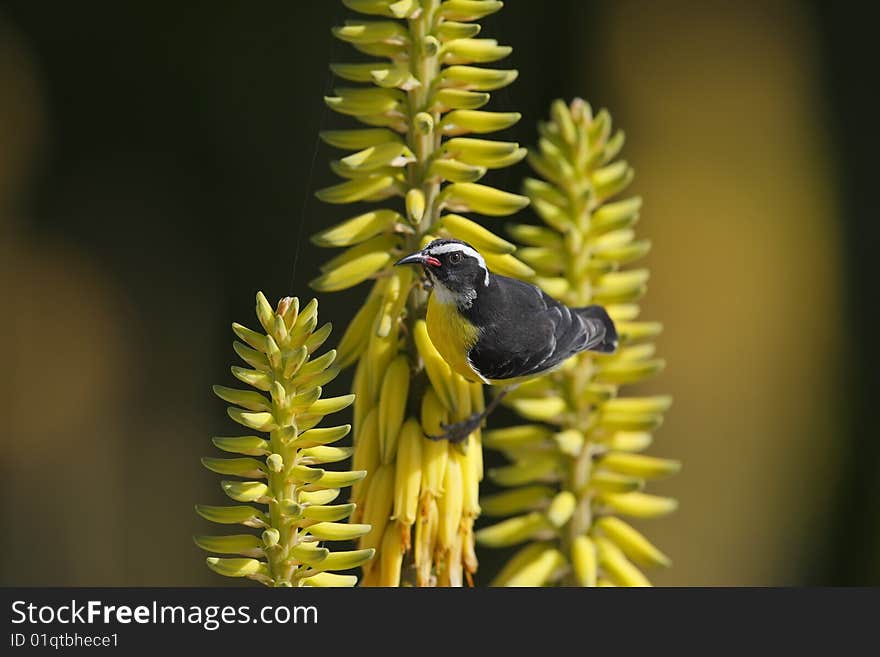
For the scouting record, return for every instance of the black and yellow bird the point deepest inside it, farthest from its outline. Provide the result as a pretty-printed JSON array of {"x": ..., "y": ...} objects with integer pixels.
[{"x": 500, "y": 330}]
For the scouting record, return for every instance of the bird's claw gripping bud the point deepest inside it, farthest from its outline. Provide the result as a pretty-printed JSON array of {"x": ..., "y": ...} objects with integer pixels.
[{"x": 457, "y": 432}]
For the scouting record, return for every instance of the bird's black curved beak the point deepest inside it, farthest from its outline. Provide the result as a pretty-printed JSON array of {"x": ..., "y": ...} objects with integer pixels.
[{"x": 418, "y": 258}]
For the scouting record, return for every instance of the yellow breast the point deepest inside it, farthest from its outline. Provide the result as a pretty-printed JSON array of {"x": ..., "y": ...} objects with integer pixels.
[{"x": 452, "y": 335}]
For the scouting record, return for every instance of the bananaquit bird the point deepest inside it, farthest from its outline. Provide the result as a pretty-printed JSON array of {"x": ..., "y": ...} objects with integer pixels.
[{"x": 500, "y": 330}]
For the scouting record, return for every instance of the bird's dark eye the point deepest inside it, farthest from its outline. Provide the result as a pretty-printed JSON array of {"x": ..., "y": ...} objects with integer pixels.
[{"x": 454, "y": 258}]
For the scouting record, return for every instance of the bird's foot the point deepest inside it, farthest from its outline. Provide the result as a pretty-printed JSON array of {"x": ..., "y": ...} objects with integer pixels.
[{"x": 459, "y": 431}]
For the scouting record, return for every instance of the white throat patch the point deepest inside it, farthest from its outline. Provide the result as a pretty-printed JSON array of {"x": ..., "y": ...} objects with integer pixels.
[
  {"x": 447, "y": 297},
  {"x": 465, "y": 250}
]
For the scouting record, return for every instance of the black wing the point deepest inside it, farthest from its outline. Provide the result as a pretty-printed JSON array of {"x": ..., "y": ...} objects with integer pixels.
[{"x": 526, "y": 332}]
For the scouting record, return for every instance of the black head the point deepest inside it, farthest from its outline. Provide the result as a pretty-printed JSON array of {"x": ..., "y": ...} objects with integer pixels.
[{"x": 456, "y": 269}]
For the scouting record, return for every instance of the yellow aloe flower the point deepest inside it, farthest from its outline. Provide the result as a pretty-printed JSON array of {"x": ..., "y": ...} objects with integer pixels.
[
  {"x": 420, "y": 158},
  {"x": 283, "y": 487},
  {"x": 576, "y": 466}
]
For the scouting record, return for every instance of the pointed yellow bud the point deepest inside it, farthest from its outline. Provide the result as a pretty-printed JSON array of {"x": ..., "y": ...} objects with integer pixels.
[
  {"x": 358, "y": 229},
  {"x": 480, "y": 198},
  {"x": 461, "y": 122},
  {"x": 584, "y": 561},
  {"x": 355, "y": 190},
  {"x": 513, "y": 530},
  {"x": 617, "y": 566},
  {"x": 408, "y": 473},
  {"x": 415, "y": 205},
  {"x": 238, "y": 567},
  {"x": 640, "y": 505},
  {"x": 246, "y": 491},
  {"x": 232, "y": 515},
  {"x": 468, "y": 10},
  {"x": 477, "y": 79}
]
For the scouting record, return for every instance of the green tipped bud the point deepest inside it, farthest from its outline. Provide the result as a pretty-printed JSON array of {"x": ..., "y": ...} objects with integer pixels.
[
  {"x": 346, "y": 560},
  {"x": 448, "y": 99},
  {"x": 260, "y": 380},
  {"x": 561, "y": 116},
  {"x": 541, "y": 468},
  {"x": 245, "y": 467},
  {"x": 331, "y": 580},
  {"x": 431, "y": 46},
  {"x": 328, "y": 513},
  {"x": 246, "y": 491},
  {"x": 253, "y": 401},
  {"x": 513, "y": 530},
  {"x": 309, "y": 553},
  {"x": 474, "y": 51},
  {"x": 332, "y": 479},
  {"x": 274, "y": 462},
  {"x": 424, "y": 123},
  {"x": 517, "y": 500},
  {"x": 291, "y": 508},
  {"x": 331, "y": 405},
  {"x": 371, "y": 32},
  {"x": 460, "y": 122},
  {"x": 631, "y": 542},
  {"x": 561, "y": 508},
  {"x": 639, "y": 465},
  {"x": 469, "y": 231},
  {"x": 264, "y": 312},
  {"x": 415, "y": 205},
  {"x": 335, "y": 531},
  {"x": 258, "y": 421},
  {"x": 250, "y": 445},
  {"x": 640, "y": 505},
  {"x": 630, "y": 441},
  {"x": 254, "y": 339},
  {"x": 539, "y": 571},
  {"x": 355, "y": 190},
  {"x": 323, "y": 436},
  {"x": 352, "y": 273},
  {"x": 468, "y": 10},
  {"x": 318, "y": 497},
  {"x": 273, "y": 352},
  {"x": 238, "y": 567},
  {"x": 305, "y": 474},
  {"x": 252, "y": 357},
  {"x": 359, "y": 139},
  {"x": 271, "y": 537},
  {"x": 477, "y": 79},
  {"x": 322, "y": 454},
  {"x": 617, "y": 566},
  {"x": 455, "y": 171},
  {"x": 449, "y": 30},
  {"x": 470, "y": 197},
  {"x": 233, "y": 515}
]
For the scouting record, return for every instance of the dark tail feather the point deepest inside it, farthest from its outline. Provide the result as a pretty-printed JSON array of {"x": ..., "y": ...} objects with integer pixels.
[{"x": 609, "y": 340}]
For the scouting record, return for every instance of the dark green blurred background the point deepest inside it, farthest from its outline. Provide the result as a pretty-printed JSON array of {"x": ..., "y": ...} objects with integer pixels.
[{"x": 155, "y": 166}]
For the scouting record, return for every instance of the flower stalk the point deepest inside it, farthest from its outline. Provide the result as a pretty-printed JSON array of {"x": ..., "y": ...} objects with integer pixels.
[
  {"x": 421, "y": 99},
  {"x": 286, "y": 491},
  {"x": 576, "y": 466}
]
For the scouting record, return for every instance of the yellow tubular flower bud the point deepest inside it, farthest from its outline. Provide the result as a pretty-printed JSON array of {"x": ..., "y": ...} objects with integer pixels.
[
  {"x": 392, "y": 403},
  {"x": 392, "y": 557},
  {"x": 408, "y": 473},
  {"x": 450, "y": 504}
]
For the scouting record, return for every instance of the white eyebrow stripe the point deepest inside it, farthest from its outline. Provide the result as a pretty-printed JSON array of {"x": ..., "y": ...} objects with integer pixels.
[{"x": 466, "y": 250}]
